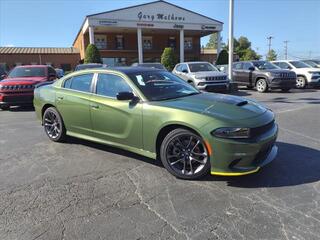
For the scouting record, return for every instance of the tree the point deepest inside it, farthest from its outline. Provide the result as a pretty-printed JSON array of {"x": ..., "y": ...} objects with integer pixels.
[
  {"x": 92, "y": 54},
  {"x": 272, "y": 56},
  {"x": 222, "y": 58},
  {"x": 213, "y": 41},
  {"x": 249, "y": 54},
  {"x": 168, "y": 59}
]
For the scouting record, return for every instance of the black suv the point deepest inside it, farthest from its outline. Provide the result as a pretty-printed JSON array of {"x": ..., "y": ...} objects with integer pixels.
[{"x": 263, "y": 75}]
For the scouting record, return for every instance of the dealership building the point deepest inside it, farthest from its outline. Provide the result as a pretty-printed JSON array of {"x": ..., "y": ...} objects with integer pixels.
[
  {"x": 140, "y": 33},
  {"x": 127, "y": 35}
]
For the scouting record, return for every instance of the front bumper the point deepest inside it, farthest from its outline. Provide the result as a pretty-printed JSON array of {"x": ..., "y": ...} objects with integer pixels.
[
  {"x": 283, "y": 83},
  {"x": 240, "y": 157},
  {"x": 212, "y": 86},
  {"x": 16, "y": 99}
]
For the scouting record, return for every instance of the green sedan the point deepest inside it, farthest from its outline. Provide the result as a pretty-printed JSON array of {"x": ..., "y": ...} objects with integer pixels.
[{"x": 156, "y": 114}]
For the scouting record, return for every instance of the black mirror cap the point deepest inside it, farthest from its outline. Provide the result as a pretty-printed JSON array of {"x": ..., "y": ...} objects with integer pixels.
[
  {"x": 125, "y": 96},
  {"x": 185, "y": 71},
  {"x": 251, "y": 68}
]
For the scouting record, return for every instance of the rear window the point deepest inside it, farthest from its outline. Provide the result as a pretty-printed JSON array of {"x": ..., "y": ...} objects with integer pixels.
[{"x": 28, "y": 72}]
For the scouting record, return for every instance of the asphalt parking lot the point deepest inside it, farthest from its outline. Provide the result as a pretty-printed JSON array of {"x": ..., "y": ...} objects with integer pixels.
[{"x": 81, "y": 190}]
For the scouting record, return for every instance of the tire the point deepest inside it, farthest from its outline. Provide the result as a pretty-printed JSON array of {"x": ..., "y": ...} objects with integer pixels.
[
  {"x": 301, "y": 82},
  {"x": 262, "y": 85},
  {"x": 53, "y": 125},
  {"x": 184, "y": 154},
  {"x": 285, "y": 89},
  {"x": 4, "y": 108}
]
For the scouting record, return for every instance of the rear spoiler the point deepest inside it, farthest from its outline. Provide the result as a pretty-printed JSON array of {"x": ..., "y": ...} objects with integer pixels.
[{"x": 43, "y": 84}]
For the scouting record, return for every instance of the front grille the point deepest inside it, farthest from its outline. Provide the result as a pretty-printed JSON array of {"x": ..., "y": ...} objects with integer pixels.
[
  {"x": 287, "y": 75},
  {"x": 217, "y": 78},
  {"x": 255, "y": 132},
  {"x": 17, "y": 87}
]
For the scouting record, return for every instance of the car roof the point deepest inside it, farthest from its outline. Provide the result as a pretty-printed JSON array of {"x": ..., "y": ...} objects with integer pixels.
[
  {"x": 128, "y": 70},
  {"x": 33, "y": 66},
  {"x": 194, "y": 62}
]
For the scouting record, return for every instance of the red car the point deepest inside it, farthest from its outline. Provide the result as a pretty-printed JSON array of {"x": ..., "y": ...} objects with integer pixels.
[{"x": 17, "y": 88}]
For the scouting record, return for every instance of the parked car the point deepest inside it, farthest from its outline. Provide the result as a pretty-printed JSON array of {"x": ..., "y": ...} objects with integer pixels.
[
  {"x": 89, "y": 66},
  {"x": 223, "y": 68},
  {"x": 202, "y": 75},
  {"x": 306, "y": 75},
  {"x": 150, "y": 65},
  {"x": 60, "y": 72},
  {"x": 263, "y": 75},
  {"x": 312, "y": 63},
  {"x": 3, "y": 73},
  {"x": 156, "y": 114},
  {"x": 17, "y": 88}
]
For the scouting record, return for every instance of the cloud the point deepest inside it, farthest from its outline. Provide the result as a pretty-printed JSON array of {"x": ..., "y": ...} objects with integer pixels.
[{"x": 8, "y": 45}]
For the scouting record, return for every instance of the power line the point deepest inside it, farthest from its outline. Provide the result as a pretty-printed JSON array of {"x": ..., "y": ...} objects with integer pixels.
[{"x": 286, "y": 49}]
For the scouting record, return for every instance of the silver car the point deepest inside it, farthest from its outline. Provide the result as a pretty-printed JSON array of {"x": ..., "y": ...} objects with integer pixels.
[{"x": 202, "y": 75}]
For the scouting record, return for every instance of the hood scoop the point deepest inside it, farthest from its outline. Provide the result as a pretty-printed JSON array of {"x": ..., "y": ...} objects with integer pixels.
[{"x": 242, "y": 103}]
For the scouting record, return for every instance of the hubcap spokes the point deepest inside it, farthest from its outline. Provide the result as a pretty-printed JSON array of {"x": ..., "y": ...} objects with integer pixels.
[
  {"x": 52, "y": 124},
  {"x": 186, "y": 154}
]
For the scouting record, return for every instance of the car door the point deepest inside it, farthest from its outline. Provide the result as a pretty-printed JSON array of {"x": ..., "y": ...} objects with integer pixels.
[
  {"x": 247, "y": 74},
  {"x": 237, "y": 72},
  {"x": 72, "y": 101},
  {"x": 182, "y": 71},
  {"x": 113, "y": 120}
]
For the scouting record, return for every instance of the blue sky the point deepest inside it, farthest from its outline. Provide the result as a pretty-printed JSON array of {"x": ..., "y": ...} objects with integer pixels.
[{"x": 55, "y": 23}]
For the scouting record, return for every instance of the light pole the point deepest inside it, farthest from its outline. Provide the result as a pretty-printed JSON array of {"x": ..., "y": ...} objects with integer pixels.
[
  {"x": 230, "y": 38},
  {"x": 286, "y": 49}
]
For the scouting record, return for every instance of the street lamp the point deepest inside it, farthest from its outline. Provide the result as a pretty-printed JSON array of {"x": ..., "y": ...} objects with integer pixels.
[{"x": 230, "y": 38}]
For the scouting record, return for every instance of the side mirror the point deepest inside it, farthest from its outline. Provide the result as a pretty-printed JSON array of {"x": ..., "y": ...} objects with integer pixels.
[
  {"x": 289, "y": 67},
  {"x": 125, "y": 96},
  {"x": 52, "y": 77},
  {"x": 3, "y": 76},
  {"x": 251, "y": 68},
  {"x": 185, "y": 71}
]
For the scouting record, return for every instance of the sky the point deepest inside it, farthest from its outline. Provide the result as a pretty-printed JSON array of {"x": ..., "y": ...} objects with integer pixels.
[{"x": 55, "y": 23}]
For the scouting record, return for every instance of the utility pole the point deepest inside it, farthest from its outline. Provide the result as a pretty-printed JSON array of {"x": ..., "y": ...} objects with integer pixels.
[
  {"x": 230, "y": 39},
  {"x": 269, "y": 44},
  {"x": 286, "y": 49}
]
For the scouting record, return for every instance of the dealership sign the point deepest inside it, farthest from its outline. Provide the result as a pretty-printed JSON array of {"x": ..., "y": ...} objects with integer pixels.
[{"x": 160, "y": 17}]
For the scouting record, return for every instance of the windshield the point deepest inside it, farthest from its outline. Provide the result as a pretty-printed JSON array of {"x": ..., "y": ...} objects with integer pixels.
[
  {"x": 161, "y": 85},
  {"x": 311, "y": 63},
  {"x": 28, "y": 72},
  {"x": 85, "y": 66},
  {"x": 202, "y": 67},
  {"x": 299, "y": 64},
  {"x": 263, "y": 65}
]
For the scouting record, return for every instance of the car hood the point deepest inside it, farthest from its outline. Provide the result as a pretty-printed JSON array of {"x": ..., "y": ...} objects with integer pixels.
[
  {"x": 209, "y": 74},
  {"x": 220, "y": 106},
  {"x": 22, "y": 81},
  {"x": 277, "y": 70}
]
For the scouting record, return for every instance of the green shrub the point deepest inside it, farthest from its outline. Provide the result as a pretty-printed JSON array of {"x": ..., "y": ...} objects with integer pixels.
[
  {"x": 168, "y": 59},
  {"x": 223, "y": 58},
  {"x": 92, "y": 54}
]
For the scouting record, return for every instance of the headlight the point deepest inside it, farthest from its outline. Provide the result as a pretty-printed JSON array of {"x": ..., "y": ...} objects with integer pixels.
[{"x": 231, "y": 132}]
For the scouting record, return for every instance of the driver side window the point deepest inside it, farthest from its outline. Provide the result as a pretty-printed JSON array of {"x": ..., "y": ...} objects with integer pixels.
[
  {"x": 110, "y": 85},
  {"x": 184, "y": 68}
]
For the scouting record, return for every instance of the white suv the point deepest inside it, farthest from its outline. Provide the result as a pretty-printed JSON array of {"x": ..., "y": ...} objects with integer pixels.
[{"x": 306, "y": 75}]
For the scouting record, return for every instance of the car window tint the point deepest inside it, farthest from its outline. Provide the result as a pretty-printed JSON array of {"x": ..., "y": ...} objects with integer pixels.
[
  {"x": 178, "y": 68},
  {"x": 237, "y": 66},
  {"x": 246, "y": 66},
  {"x": 52, "y": 71},
  {"x": 110, "y": 85},
  {"x": 184, "y": 67},
  {"x": 80, "y": 83}
]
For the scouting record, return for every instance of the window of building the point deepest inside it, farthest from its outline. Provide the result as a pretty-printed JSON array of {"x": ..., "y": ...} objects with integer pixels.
[
  {"x": 119, "y": 42},
  {"x": 100, "y": 41},
  {"x": 80, "y": 83},
  {"x": 110, "y": 85},
  {"x": 147, "y": 43},
  {"x": 188, "y": 43},
  {"x": 172, "y": 42}
]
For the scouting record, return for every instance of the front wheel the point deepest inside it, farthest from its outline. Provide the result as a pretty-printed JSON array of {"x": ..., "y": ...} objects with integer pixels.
[
  {"x": 4, "y": 107},
  {"x": 184, "y": 154},
  {"x": 301, "y": 82},
  {"x": 53, "y": 125},
  {"x": 262, "y": 85}
]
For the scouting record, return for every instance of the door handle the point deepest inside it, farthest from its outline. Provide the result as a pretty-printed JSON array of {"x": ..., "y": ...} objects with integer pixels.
[
  {"x": 60, "y": 98},
  {"x": 95, "y": 106}
]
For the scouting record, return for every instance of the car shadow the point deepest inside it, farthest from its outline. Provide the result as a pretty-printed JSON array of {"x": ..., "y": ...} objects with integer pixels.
[{"x": 294, "y": 165}]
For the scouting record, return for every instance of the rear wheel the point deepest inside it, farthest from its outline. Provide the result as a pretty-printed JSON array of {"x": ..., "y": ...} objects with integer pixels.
[
  {"x": 184, "y": 154},
  {"x": 301, "y": 82},
  {"x": 53, "y": 125},
  {"x": 262, "y": 85}
]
